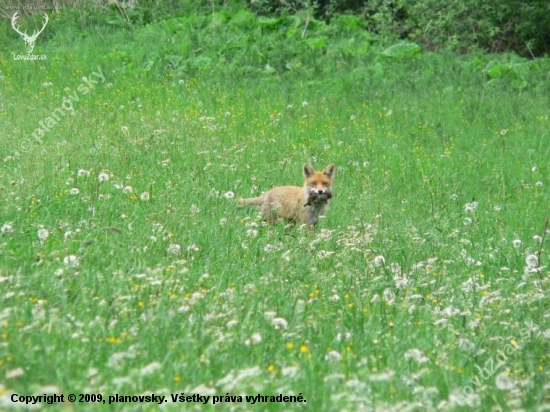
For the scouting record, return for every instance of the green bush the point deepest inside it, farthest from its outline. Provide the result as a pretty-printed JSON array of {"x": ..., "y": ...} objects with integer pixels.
[{"x": 508, "y": 25}]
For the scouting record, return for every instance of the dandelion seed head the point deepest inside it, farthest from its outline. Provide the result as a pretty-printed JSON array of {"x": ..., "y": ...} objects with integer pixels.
[
  {"x": 280, "y": 323},
  {"x": 173, "y": 249},
  {"x": 71, "y": 261},
  {"x": 43, "y": 234},
  {"x": 379, "y": 260},
  {"x": 150, "y": 368},
  {"x": 471, "y": 207},
  {"x": 503, "y": 382},
  {"x": 289, "y": 371},
  {"x": 532, "y": 261},
  {"x": 103, "y": 177},
  {"x": 270, "y": 314},
  {"x": 416, "y": 355},
  {"x": 15, "y": 373},
  {"x": 333, "y": 356},
  {"x": 255, "y": 339},
  {"x": 7, "y": 227}
]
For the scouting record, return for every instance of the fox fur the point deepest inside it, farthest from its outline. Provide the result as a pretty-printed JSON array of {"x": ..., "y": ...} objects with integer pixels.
[{"x": 297, "y": 204}]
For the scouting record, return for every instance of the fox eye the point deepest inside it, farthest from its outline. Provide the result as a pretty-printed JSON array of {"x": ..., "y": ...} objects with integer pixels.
[{"x": 325, "y": 184}]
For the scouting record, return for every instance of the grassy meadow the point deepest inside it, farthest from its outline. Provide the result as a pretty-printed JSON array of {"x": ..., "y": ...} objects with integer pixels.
[{"x": 126, "y": 268}]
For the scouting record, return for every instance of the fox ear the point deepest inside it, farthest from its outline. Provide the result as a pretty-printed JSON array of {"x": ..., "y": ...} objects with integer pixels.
[
  {"x": 329, "y": 170},
  {"x": 308, "y": 170}
]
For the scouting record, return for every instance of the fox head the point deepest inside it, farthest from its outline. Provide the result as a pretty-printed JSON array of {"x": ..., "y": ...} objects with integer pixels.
[{"x": 319, "y": 184}]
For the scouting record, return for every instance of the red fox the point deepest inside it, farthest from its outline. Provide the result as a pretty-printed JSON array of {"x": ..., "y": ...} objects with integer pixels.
[{"x": 297, "y": 204}]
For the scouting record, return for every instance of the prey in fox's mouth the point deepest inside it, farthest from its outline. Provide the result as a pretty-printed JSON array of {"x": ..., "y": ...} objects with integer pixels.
[
  {"x": 296, "y": 204},
  {"x": 315, "y": 197}
]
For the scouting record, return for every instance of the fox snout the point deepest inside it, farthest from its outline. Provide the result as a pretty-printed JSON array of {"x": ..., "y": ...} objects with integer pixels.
[{"x": 320, "y": 191}]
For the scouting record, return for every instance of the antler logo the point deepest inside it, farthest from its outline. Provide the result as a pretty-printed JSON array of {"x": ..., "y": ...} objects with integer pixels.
[{"x": 29, "y": 39}]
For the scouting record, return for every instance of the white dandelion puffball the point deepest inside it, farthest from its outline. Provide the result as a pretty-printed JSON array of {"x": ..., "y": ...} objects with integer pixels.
[
  {"x": 43, "y": 234},
  {"x": 71, "y": 261}
]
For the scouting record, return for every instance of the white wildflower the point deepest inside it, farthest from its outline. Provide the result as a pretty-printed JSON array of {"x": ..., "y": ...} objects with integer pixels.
[
  {"x": 333, "y": 356},
  {"x": 103, "y": 177},
  {"x": 381, "y": 377},
  {"x": 203, "y": 390},
  {"x": 280, "y": 323},
  {"x": 43, "y": 234},
  {"x": 232, "y": 323},
  {"x": 255, "y": 339},
  {"x": 7, "y": 227},
  {"x": 503, "y": 382},
  {"x": 150, "y": 368},
  {"x": 193, "y": 248},
  {"x": 270, "y": 314},
  {"x": 471, "y": 207},
  {"x": 400, "y": 282},
  {"x": 15, "y": 373},
  {"x": 379, "y": 260},
  {"x": 323, "y": 254},
  {"x": 532, "y": 261},
  {"x": 416, "y": 355},
  {"x": 71, "y": 261},
  {"x": 174, "y": 249},
  {"x": 289, "y": 371}
]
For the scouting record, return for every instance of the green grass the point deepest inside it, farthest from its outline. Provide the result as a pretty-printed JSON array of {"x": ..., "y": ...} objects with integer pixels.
[{"x": 400, "y": 292}]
